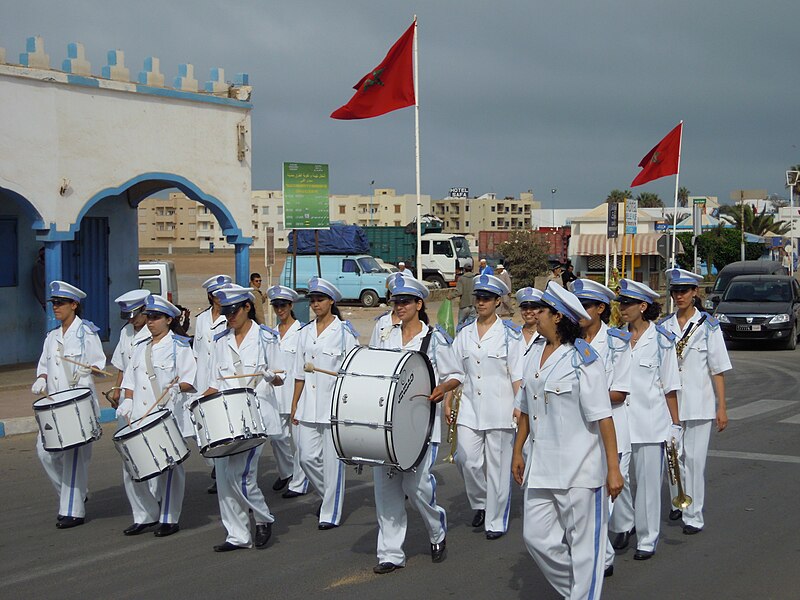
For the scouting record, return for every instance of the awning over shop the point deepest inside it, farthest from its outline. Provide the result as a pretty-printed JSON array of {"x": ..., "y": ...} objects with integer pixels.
[{"x": 594, "y": 244}]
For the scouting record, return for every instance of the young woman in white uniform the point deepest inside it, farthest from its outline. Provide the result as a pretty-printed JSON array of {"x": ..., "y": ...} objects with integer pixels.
[
  {"x": 284, "y": 447},
  {"x": 392, "y": 487},
  {"x": 323, "y": 342},
  {"x": 491, "y": 354},
  {"x": 572, "y": 453},
  {"x": 702, "y": 362},
  {"x": 160, "y": 499},
  {"x": 652, "y": 416},
  {"x": 242, "y": 349},
  {"x": 131, "y": 307},
  {"x": 385, "y": 322},
  {"x": 77, "y": 340},
  {"x": 528, "y": 300},
  {"x": 612, "y": 346}
]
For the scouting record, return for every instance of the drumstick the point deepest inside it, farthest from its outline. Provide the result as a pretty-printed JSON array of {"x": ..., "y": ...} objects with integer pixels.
[
  {"x": 92, "y": 367},
  {"x": 160, "y": 398},
  {"x": 310, "y": 368},
  {"x": 246, "y": 376}
]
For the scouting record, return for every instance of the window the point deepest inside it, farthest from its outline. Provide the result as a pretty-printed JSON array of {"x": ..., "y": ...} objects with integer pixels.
[
  {"x": 466, "y": 224},
  {"x": 342, "y": 208},
  {"x": 280, "y": 225},
  {"x": 9, "y": 253},
  {"x": 265, "y": 210},
  {"x": 397, "y": 223},
  {"x": 280, "y": 210},
  {"x": 142, "y": 227},
  {"x": 443, "y": 247},
  {"x": 493, "y": 224},
  {"x": 493, "y": 209},
  {"x": 397, "y": 209},
  {"x": 192, "y": 227},
  {"x": 349, "y": 266},
  {"x": 426, "y": 246}
]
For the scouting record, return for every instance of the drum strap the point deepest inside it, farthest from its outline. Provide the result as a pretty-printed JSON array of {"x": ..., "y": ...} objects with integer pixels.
[
  {"x": 151, "y": 373},
  {"x": 426, "y": 341},
  {"x": 72, "y": 374}
]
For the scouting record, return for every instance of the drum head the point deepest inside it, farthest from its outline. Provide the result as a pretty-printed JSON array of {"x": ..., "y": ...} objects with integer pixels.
[
  {"x": 412, "y": 414},
  {"x": 141, "y": 424},
  {"x": 62, "y": 397}
]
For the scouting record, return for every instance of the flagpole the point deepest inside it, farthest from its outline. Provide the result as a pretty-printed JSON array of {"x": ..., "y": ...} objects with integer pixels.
[
  {"x": 416, "y": 139},
  {"x": 675, "y": 205}
]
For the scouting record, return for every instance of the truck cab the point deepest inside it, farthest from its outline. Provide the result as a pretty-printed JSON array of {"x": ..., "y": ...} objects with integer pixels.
[{"x": 444, "y": 258}]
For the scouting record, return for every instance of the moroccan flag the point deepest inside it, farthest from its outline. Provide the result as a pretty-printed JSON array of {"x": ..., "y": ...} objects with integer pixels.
[
  {"x": 661, "y": 160},
  {"x": 388, "y": 87}
]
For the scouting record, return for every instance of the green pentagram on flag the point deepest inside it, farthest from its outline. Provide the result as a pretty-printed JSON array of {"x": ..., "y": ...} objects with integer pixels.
[
  {"x": 374, "y": 79},
  {"x": 656, "y": 158}
]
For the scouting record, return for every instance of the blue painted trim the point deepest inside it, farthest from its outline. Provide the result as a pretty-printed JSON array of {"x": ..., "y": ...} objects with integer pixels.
[
  {"x": 108, "y": 415},
  {"x": 2, "y": 429},
  {"x": 27, "y": 207},
  {"x": 192, "y": 96},
  {"x": 82, "y": 80}
]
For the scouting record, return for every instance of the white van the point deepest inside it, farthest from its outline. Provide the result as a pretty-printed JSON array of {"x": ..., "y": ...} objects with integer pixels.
[{"x": 158, "y": 277}]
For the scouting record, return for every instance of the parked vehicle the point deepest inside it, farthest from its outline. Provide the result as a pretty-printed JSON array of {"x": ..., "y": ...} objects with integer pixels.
[
  {"x": 358, "y": 276},
  {"x": 734, "y": 269},
  {"x": 158, "y": 277},
  {"x": 761, "y": 307},
  {"x": 387, "y": 268}
]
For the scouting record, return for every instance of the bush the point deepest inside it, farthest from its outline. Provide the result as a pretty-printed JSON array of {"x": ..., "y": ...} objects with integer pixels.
[
  {"x": 719, "y": 247},
  {"x": 524, "y": 257}
]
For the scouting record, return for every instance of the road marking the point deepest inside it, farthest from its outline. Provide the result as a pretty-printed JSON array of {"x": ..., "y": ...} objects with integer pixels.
[
  {"x": 795, "y": 420},
  {"x": 756, "y": 408},
  {"x": 755, "y": 456}
]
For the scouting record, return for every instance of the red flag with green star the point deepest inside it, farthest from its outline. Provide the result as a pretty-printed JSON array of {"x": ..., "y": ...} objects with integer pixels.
[
  {"x": 388, "y": 87},
  {"x": 662, "y": 160}
]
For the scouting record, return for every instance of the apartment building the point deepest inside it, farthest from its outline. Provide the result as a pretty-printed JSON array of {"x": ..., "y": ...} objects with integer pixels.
[{"x": 485, "y": 213}]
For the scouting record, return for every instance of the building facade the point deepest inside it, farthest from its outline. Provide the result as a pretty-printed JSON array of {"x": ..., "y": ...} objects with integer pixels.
[{"x": 485, "y": 213}]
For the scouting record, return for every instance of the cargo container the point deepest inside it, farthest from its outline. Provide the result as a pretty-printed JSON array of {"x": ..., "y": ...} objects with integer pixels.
[{"x": 555, "y": 241}]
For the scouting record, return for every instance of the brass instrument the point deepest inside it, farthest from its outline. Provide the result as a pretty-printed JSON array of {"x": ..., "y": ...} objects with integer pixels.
[
  {"x": 452, "y": 432},
  {"x": 682, "y": 500}
]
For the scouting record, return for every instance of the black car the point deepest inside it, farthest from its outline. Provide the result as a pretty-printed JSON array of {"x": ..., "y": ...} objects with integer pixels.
[
  {"x": 760, "y": 307},
  {"x": 735, "y": 269}
]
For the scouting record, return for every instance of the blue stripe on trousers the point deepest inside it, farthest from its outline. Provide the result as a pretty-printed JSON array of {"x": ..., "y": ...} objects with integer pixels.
[
  {"x": 165, "y": 510},
  {"x": 336, "y": 498},
  {"x": 247, "y": 470},
  {"x": 598, "y": 516},
  {"x": 72, "y": 480},
  {"x": 442, "y": 514}
]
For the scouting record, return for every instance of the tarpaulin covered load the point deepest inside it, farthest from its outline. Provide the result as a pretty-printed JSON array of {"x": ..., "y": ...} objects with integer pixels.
[{"x": 339, "y": 239}]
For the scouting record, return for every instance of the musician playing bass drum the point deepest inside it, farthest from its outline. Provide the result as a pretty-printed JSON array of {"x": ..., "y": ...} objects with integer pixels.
[
  {"x": 419, "y": 485},
  {"x": 703, "y": 360}
]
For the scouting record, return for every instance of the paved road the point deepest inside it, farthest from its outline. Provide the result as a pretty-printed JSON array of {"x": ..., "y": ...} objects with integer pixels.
[{"x": 750, "y": 547}]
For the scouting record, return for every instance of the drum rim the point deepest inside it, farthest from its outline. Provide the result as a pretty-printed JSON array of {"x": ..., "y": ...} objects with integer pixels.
[
  {"x": 217, "y": 394},
  {"x": 177, "y": 462},
  {"x": 227, "y": 441},
  {"x": 50, "y": 404},
  {"x": 431, "y": 416},
  {"x": 162, "y": 414},
  {"x": 71, "y": 446}
]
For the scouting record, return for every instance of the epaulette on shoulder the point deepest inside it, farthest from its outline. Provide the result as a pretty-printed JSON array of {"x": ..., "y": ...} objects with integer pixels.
[
  {"x": 443, "y": 332},
  {"x": 620, "y": 334},
  {"x": 223, "y": 322},
  {"x": 144, "y": 341},
  {"x": 712, "y": 322},
  {"x": 665, "y": 319},
  {"x": 585, "y": 351},
  {"x": 182, "y": 340},
  {"x": 349, "y": 327},
  {"x": 222, "y": 334},
  {"x": 467, "y": 321},
  {"x": 269, "y": 330},
  {"x": 666, "y": 333},
  {"x": 513, "y": 328},
  {"x": 379, "y": 317},
  {"x": 90, "y": 326}
]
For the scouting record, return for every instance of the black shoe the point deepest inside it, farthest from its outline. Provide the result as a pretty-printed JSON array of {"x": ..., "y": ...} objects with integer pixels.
[
  {"x": 385, "y": 567},
  {"x": 675, "y": 514},
  {"x": 479, "y": 518},
  {"x": 263, "y": 533},
  {"x": 609, "y": 572},
  {"x": 494, "y": 535},
  {"x": 280, "y": 484},
  {"x": 212, "y": 489},
  {"x": 60, "y": 518},
  {"x": 439, "y": 551},
  {"x": 643, "y": 555},
  {"x": 166, "y": 529},
  {"x": 69, "y": 522},
  {"x": 291, "y": 494},
  {"x": 325, "y": 526},
  {"x": 319, "y": 510},
  {"x": 138, "y": 528},
  {"x": 227, "y": 547},
  {"x": 691, "y": 530},
  {"x": 621, "y": 540}
]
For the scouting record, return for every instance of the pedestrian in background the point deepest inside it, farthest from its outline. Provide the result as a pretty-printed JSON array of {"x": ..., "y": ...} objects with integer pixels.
[
  {"x": 259, "y": 296},
  {"x": 464, "y": 287},
  {"x": 506, "y": 308}
]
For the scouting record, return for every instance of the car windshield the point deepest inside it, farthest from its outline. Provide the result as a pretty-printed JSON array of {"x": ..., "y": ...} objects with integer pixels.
[
  {"x": 369, "y": 265},
  {"x": 722, "y": 282},
  {"x": 758, "y": 291},
  {"x": 462, "y": 247}
]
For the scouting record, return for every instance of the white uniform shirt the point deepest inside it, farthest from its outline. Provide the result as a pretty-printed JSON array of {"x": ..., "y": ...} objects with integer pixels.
[
  {"x": 79, "y": 343},
  {"x": 282, "y": 357},
  {"x": 445, "y": 364},
  {"x": 381, "y": 330},
  {"x": 490, "y": 364},
  {"x": 564, "y": 398},
  {"x": 171, "y": 357},
  {"x": 704, "y": 355},
  {"x": 616, "y": 356},
  {"x": 128, "y": 338},
  {"x": 326, "y": 351},
  {"x": 204, "y": 332},
  {"x": 654, "y": 372}
]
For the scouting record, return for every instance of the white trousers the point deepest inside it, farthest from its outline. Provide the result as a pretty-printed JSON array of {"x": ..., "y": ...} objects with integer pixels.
[
  {"x": 564, "y": 530},
  {"x": 238, "y": 494},
  {"x": 484, "y": 459},
  {"x": 391, "y": 488},
  {"x": 323, "y": 468},
  {"x": 157, "y": 499},
  {"x": 696, "y": 436},
  {"x": 624, "y": 467},
  {"x": 287, "y": 457},
  {"x": 642, "y": 509},
  {"x": 68, "y": 471}
]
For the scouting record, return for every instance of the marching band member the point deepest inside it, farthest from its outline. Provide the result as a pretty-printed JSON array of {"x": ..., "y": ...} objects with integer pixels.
[
  {"x": 703, "y": 360},
  {"x": 490, "y": 351},
  {"x": 612, "y": 346},
  {"x": 240, "y": 349},
  {"x": 323, "y": 342},
  {"x": 385, "y": 322},
  {"x": 77, "y": 340},
  {"x": 418, "y": 485},
  {"x": 529, "y": 301},
  {"x": 131, "y": 307},
  {"x": 284, "y": 447},
  {"x": 207, "y": 324},
  {"x": 566, "y": 410},
  {"x": 161, "y": 368},
  {"x": 652, "y": 416}
]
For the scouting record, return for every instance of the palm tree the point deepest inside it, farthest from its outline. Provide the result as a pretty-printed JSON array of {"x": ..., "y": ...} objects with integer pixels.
[
  {"x": 649, "y": 200},
  {"x": 618, "y": 196},
  {"x": 755, "y": 223},
  {"x": 683, "y": 197}
]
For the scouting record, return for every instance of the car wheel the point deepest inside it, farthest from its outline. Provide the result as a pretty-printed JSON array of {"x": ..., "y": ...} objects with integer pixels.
[
  {"x": 437, "y": 281},
  {"x": 791, "y": 343},
  {"x": 369, "y": 299}
]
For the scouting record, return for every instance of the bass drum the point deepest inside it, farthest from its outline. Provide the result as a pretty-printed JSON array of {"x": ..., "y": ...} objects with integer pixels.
[{"x": 380, "y": 413}]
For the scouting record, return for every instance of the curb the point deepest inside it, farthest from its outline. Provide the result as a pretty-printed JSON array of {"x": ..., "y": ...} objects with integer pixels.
[{"x": 21, "y": 425}]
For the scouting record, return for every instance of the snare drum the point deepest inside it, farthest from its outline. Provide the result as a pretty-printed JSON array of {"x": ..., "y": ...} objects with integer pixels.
[
  {"x": 381, "y": 414},
  {"x": 228, "y": 422},
  {"x": 152, "y": 445},
  {"x": 67, "y": 419}
]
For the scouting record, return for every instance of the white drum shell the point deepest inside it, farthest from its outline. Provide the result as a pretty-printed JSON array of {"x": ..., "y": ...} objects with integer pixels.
[
  {"x": 151, "y": 446},
  {"x": 228, "y": 422},
  {"x": 67, "y": 419}
]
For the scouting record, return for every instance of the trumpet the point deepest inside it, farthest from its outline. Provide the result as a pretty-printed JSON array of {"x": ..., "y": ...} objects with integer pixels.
[
  {"x": 682, "y": 500},
  {"x": 452, "y": 432}
]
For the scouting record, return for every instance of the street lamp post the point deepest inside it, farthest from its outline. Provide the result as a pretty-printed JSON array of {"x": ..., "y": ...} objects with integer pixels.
[
  {"x": 792, "y": 178},
  {"x": 371, "y": 200},
  {"x": 553, "y": 204}
]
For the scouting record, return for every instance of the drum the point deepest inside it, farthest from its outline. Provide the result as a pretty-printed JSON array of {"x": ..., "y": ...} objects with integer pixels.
[
  {"x": 67, "y": 419},
  {"x": 380, "y": 413},
  {"x": 228, "y": 422},
  {"x": 151, "y": 446}
]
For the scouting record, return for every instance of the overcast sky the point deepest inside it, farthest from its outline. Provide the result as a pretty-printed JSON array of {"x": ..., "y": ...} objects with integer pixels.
[{"x": 514, "y": 95}]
